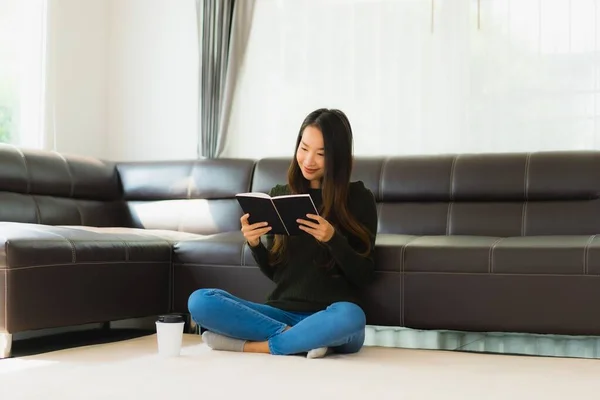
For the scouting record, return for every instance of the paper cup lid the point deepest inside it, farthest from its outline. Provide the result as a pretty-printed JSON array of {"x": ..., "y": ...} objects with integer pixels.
[{"x": 170, "y": 319}]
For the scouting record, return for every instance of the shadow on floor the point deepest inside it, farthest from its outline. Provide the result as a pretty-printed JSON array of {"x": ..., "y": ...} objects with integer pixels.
[{"x": 69, "y": 340}]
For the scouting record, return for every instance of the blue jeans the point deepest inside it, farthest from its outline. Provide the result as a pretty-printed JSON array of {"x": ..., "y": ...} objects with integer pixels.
[{"x": 340, "y": 327}]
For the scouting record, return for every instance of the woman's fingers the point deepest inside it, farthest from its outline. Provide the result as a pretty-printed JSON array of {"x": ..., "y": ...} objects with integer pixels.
[
  {"x": 258, "y": 225},
  {"x": 256, "y": 233},
  {"x": 255, "y": 228},
  {"x": 315, "y": 217},
  {"x": 244, "y": 219},
  {"x": 307, "y": 223}
]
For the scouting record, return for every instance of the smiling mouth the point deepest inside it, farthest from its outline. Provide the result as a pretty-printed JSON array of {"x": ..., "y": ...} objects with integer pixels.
[{"x": 310, "y": 171}]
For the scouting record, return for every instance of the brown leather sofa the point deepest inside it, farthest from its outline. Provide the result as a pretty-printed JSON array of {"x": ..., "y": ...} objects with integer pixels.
[{"x": 488, "y": 242}]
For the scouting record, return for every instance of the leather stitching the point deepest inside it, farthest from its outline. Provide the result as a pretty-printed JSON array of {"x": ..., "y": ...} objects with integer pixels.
[
  {"x": 101, "y": 241},
  {"x": 452, "y": 168},
  {"x": 402, "y": 257},
  {"x": 242, "y": 258},
  {"x": 38, "y": 213},
  {"x": 71, "y": 180},
  {"x": 88, "y": 263},
  {"x": 79, "y": 212},
  {"x": 449, "y": 218},
  {"x": 586, "y": 255},
  {"x": 188, "y": 195},
  {"x": 72, "y": 191},
  {"x": 526, "y": 191},
  {"x": 481, "y": 273},
  {"x": 381, "y": 172},
  {"x": 402, "y": 272},
  {"x": 491, "y": 256},
  {"x": 126, "y": 250},
  {"x": 189, "y": 186},
  {"x": 6, "y": 289},
  {"x": 73, "y": 254},
  {"x": 450, "y": 205},
  {"x": 526, "y": 178},
  {"x": 28, "y": 177},
  {"x": 524, "y": 219}
]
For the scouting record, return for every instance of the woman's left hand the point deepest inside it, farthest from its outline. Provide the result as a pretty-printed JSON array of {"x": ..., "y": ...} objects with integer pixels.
[{"x": 322, "y": 230}]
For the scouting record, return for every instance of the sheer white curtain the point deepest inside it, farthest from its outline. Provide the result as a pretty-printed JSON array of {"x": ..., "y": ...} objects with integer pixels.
[
  {"x": 223, "y": 29},
  {"x": 22, "y": 71},
  {"x": 422, "y": 76}
]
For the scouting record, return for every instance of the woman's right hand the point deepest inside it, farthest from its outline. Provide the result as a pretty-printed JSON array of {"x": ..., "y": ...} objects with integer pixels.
[{"x": 253, "y": 232}]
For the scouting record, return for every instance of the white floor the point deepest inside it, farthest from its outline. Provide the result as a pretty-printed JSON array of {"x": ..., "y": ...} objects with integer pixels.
[{"x": 132, "y": 369}]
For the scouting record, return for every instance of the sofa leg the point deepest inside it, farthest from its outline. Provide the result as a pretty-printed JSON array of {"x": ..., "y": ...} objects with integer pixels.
[{"x": 5, "y": 345}]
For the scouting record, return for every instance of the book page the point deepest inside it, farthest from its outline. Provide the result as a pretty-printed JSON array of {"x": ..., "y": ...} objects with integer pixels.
[{"x": 254, "y": 194}]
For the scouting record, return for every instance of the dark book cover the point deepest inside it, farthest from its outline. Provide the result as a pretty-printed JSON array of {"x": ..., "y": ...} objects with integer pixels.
[
  {"x": 292, "y": 207},
  {"x": 280, "y": 212}
]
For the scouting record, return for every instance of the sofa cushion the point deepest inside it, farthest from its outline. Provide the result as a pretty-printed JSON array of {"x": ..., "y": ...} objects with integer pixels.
[
  {"x": 42, "y": 187},
  {"x": 49, "y": 210},
  {"x": 230, "y": 249},
  {"x": 273, "y": 171},
  {"x": 198, "y": 179},
  {"x": 199, "y": 216},
  {"x": 196, "y": 196},
  {"x": 163, "y": 234},
  {"x": 219, "y": 249},
  {"x": 558, "y": 175},
  {"x": 569, "y": 255},
  {"x": 389, "y": 251},
  {"x": 222, "y": 261},
  {"x": 28, "y": 245},
  {"x": 564, "y": 255},
  {"x": 38, "y": 172},
  {"x": 55, "y": 276}
]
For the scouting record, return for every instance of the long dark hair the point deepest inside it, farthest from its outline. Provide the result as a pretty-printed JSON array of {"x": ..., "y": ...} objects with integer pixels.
[{"x": 338, "y": 143}]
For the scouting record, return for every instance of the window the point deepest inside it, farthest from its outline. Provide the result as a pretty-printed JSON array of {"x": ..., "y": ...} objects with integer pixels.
[{"x": 22, "y": 69}]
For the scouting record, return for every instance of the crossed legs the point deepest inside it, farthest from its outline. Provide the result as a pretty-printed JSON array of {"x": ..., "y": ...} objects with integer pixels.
[{"x": 265, "y": 329}]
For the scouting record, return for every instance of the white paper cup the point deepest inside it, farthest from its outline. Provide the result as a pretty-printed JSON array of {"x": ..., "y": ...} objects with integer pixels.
[{"x": 169, "y": 334}]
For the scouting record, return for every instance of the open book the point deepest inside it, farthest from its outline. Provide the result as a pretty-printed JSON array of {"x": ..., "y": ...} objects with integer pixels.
[{"x": 280, "y": 212}]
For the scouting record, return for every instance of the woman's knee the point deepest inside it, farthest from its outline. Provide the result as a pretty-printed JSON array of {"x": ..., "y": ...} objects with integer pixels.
[
  {"x": 201, "y": 302},
  {"x": 350, "y": 313}
]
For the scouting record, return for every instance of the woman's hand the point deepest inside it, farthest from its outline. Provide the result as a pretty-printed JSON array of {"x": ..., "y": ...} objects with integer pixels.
[
  {"x": 253, "y": 232},
  {"x": 322, "y": 230}
]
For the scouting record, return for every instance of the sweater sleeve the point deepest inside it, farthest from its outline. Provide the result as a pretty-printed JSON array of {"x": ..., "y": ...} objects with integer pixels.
[
  {"x": 261, "y": 256},
  {"x": 358, "y": 269}
]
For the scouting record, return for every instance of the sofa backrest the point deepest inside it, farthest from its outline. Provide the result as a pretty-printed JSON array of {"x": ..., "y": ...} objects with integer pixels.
[
  {"x": 516, "y": 194},
  {"x": 45, "y": 187},
  {"x": 189, "y": 196}
]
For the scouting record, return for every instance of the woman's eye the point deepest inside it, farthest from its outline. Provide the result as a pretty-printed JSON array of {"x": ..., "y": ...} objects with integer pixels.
[{"x": 321, "y": 154}]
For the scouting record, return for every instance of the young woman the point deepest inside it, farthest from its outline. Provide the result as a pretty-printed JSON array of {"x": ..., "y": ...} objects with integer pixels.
[{"x": 315, "y": 306}]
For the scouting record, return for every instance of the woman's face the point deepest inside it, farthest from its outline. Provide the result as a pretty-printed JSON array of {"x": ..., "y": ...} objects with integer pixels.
[{"x": 311, "y": 156}]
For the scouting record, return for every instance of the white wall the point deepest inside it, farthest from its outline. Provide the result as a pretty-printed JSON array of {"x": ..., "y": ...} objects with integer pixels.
[
  {"x": 76, "y": 78},
  {"x": 525, "y": 80},
  {"x": 152, "y": 80},
  {"x": 126, "y": 76},
  {"x": 122, "y": 79}
]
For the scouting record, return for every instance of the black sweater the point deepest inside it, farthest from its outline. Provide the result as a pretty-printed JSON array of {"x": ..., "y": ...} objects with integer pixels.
[{"x": 303, "y": 283}]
